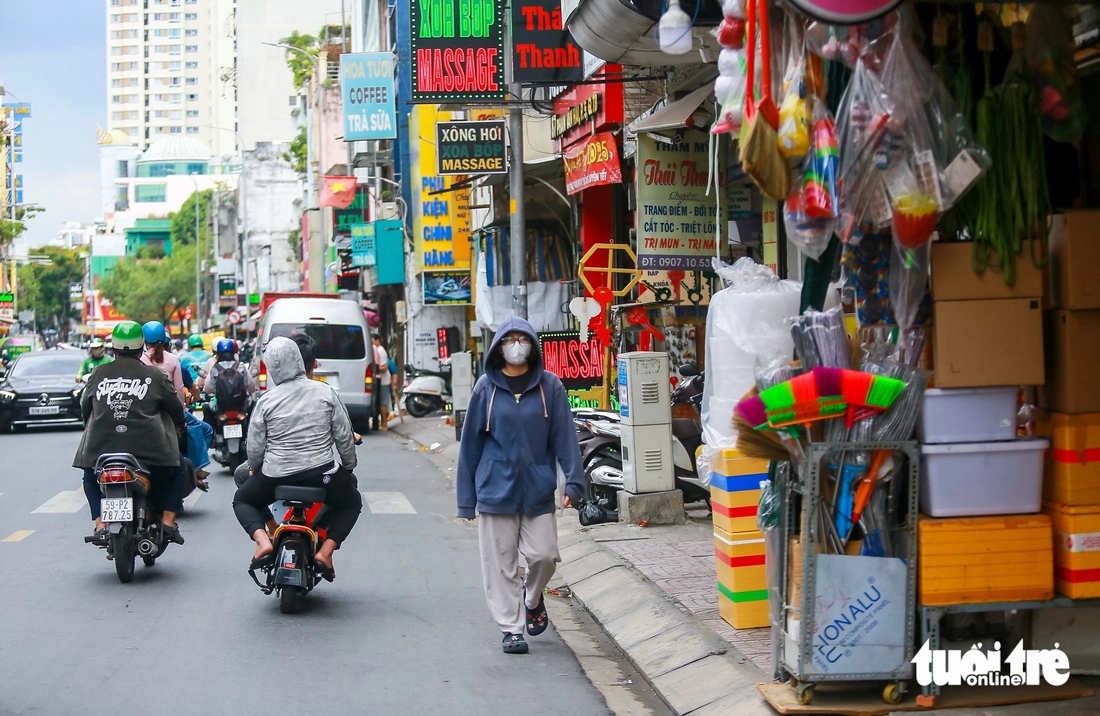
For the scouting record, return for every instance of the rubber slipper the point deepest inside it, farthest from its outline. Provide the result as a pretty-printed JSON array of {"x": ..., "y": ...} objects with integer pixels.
[
  {"x": 259, "y": 563},
  {"x": 514, "y": 644},
  {"x": 171, "y": 533},
  {"x": 537, "y": 619},
  {"x": 203, "y": 485},
  {"x": 326, "y": 573}
]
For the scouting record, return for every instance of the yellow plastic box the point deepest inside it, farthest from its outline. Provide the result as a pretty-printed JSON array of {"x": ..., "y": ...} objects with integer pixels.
[
  {"x": 970, "y": 560},
  {"x": 1076, "y": 549},
  {"x": 1071, "y": 468},
  {"x": 735, "y": 490},
  {"x": 742, "y": 578}
]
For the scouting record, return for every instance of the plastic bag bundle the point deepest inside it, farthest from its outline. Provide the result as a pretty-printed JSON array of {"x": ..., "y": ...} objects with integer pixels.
[
  {"x": 729, "y": 86},
  {"x": 865, "y": 114},
  {"x": 794, "y": 111},
  {"x": 845, "y": 43},
  {"x": 810, "y": 212}
]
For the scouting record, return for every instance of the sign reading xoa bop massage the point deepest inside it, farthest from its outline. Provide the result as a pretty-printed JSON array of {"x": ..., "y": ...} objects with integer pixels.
[{"x": 457, "y": 50}]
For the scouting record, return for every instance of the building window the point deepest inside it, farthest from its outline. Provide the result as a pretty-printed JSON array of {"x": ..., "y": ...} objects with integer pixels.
[
  {"x": 123, "y": 168},
  {"x": 177, "y": 98},
  {"x": 192, "y": 33},
  {"x": 173, "y": 17},
  {"x": 174, "y": 49},
  {"x": 116, "y": 99},
  {"x": 192, "y": 48},
  {"x": 116, "y": 83},
  {"x": 192, "y": 65},
  {"x": 149, "y": 193},
  {"x": 192, "y": 130},
  {"x": 192, "y": 113},
  {"x": 115, "y": 34},
  {"x": 116, "y": 51},
  {"x": 116, "y": 115},
  {"x": 175, "y": 114},
  {"x": 191, "y": 97},
  {"x": 191, "y": 16},
  {"x": 174, "y": 34},
  {"x": 116, "y": 18},
  {"x": 175, "y": 130},
  {"x": 192, "y": 80},
  {"x": 175, "y": 82}
]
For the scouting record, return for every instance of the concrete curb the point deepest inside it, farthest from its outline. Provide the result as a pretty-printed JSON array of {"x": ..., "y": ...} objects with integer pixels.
[{"x": 692, "y": 668}]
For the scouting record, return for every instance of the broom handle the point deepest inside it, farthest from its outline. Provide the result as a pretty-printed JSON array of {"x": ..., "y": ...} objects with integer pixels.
[
  {"x": 765, "y": 55},
  {"x": 750, "y": 62}
]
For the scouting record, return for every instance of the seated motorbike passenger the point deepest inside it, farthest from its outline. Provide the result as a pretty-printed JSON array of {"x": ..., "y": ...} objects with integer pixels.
[
  {"x": 132, "y": 407},
  {"x": 295, "y": 426}
]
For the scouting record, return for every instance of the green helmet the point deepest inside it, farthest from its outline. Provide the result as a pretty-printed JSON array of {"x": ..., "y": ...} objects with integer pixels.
[
  {"x": 127, "y": 336},
  {"x": 96, "y": 343},
  {"x": 195, "y": 341}
]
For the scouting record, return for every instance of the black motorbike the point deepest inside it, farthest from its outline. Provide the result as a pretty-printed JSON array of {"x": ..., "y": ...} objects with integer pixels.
[
  {"x": 291, "y": 570},
  {"x": 133, "y": 519}
]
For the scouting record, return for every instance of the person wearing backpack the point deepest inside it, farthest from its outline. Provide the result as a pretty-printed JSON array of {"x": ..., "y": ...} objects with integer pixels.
[{"x": 238, "y": 383}]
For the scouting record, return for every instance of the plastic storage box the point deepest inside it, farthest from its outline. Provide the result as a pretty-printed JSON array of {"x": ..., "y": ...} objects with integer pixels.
[
  {"x": 1076, "y": 550},
  {"x": 742, "y": 578},
  {"x": 970, "y": 479},
  {"x": 1071, "y": 473},
  {"x": 967, "y": 415},
  {"x": 985, "y": 559},
  {"x": 735, "y": 490}
]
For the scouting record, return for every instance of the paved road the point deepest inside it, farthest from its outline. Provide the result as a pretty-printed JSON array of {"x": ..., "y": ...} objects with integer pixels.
[{"x": 403, "y": 630}]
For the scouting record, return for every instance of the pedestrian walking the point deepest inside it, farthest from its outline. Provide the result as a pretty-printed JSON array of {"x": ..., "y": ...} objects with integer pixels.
[{"x": 518, "y": 428}]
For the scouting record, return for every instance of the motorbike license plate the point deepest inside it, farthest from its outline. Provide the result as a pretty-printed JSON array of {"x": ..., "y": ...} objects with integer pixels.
[
  {"x": 45, "y": 410},
  {"x": 117, "y": 509},
  {"x": 232, "y": 431}
]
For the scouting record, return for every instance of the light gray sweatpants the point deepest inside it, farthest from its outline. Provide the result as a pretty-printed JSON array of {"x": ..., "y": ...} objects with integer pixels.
[{"x": 502, "y": 539}]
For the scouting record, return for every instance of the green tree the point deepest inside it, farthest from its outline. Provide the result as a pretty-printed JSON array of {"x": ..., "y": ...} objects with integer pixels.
[
  {"x": 299, "y": 151},
  {"x": 12, "y": 229},
  {"x": 300, "y": 67},
  {"x": 183, "y": 221},
  {"x": 44, "y": 287},
  {"x": 146, "y": 289}
]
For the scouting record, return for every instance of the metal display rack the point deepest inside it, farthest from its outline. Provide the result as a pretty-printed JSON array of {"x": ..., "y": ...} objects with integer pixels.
[{"x": 797, "y": 665}]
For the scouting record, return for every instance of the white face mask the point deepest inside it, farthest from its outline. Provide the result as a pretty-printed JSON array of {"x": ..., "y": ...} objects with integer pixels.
[{"x": 516, "y": 353}]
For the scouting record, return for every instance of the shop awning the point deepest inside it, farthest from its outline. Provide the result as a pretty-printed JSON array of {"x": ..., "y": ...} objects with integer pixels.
[
  {"x": 675, "y": 115},
  {"x": 623, "y": 31}
]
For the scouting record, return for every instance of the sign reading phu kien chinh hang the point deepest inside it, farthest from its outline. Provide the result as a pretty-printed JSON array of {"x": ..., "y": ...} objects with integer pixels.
[
  {"x": 440, "y": 213},
  {"x": 457, "y": 50},
  {"x": 678, "y": 225},
  {"x": 543, "y": 50}
]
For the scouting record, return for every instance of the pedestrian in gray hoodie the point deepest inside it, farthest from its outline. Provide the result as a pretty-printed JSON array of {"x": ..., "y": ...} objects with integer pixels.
[
  {"x": 294, "y": 427},
  {"x": 518, "y": 427}
]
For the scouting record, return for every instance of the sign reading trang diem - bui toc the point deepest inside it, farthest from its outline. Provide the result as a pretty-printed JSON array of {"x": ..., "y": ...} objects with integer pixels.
[
  {"x": 457, "y": 50},
  {"x": 677, "y": 220}
]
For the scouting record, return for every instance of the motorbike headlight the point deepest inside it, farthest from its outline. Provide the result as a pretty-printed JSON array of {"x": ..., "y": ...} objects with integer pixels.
[{"x": 6, "y": 396}]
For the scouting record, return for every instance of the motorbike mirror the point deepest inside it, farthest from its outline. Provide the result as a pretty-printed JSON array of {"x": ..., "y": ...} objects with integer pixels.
[{"x": 688, "y": 370}]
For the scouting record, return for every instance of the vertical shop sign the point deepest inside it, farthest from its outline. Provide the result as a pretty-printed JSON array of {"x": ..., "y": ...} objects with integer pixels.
[
  {"x": 471, "y": 147},
  {"x": 592, "y": 162},
  {"x": 585, "y": 109},
  {"x": 366, "y": 79},
  {"x": 457, "y": 50},
  {"x": 364, "y": 247},
  {"x": 543, "y": 49},
  {"x": 677, "y": 220},
  {"x": 441, "y": 215}
]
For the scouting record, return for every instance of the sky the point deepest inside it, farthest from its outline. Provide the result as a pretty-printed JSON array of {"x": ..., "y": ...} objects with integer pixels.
[{"x": 53, "y": 55}]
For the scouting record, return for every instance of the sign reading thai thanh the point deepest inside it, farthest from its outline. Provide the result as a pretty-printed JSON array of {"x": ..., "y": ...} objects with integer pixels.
[
  {"x": 677, "y": 219},
  {"x": 457, "y": 50},
  {"x": 543, "y": 50},
  {"x": 471, "y": 147},
  {"x": 592, "y": 162},
  {"x": 367, "y": 82},
  {"x": 578, "y": 364}
]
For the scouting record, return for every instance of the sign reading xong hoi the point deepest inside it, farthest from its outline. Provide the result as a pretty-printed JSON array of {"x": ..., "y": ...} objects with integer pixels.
[
  {"x": 457, "y": 50},
  {"x": 471, "y": 147}
]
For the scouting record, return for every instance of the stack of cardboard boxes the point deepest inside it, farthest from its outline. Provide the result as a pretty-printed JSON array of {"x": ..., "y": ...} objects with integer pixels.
[{"x": 1071, "y": 402}]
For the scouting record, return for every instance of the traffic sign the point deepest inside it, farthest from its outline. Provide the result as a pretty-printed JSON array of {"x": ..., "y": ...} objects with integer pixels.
[{"x": 234, "y": 317}]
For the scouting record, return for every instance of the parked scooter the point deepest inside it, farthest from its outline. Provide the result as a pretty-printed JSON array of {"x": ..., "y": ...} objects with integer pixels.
[
  {"x": 427, "y": 391},
  {"x": 133, "y": 520}
]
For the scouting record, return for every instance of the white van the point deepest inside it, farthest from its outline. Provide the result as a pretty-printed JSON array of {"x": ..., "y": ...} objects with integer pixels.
[{"x": 342, "y": 347}]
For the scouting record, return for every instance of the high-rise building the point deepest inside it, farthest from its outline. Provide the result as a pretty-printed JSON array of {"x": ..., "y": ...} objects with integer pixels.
[{"x": 171, "y": 69}]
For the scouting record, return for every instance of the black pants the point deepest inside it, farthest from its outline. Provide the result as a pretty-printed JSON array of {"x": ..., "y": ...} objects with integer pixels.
[
  {"x": 166, "y": 488},
  {"x": 342, "y": 497}
]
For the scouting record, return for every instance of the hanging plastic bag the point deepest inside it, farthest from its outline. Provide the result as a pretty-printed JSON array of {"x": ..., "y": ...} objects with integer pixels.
[
  {"x": 810, "y": 212},
  {"x": 865, "y": 114},
  {"x": 729, "y": 90},
  {"x": 908, "y": 282},
  {"x": 1050, "y": 48},
  {"x": 794, "y": 112}
]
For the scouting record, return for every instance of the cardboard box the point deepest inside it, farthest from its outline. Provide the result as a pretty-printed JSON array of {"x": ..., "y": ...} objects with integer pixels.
[
  {"x": 954, "y": 278},
  {"x": 1076, "y": 549},
  {"x": 989, "y": 342},
  {"x": 1074, "y": 256},
  {"x": 1072, "y": 362}
]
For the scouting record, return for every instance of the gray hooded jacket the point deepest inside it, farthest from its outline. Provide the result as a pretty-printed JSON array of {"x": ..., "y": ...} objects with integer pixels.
[{"x": 296, "y": 423}]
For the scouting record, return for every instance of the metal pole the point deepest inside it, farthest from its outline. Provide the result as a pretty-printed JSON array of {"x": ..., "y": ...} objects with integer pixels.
[
  {"x": 518, "y": 225},
  {"x": 198, "y": 269}
]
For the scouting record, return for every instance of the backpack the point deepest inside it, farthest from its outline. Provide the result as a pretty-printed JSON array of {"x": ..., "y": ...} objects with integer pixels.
[{"x": 231, "y": 389}]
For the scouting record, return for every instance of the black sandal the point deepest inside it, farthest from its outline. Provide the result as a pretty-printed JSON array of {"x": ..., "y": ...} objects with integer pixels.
[
  {"x": 514, "y": 644},
  {"x": 537, "y": 619},
  {"x": 202, "y": 485},
  {"x": 260, "y": 562},
  {"x": 171, "y": 533},
  {"x": 326, "y": 573}
]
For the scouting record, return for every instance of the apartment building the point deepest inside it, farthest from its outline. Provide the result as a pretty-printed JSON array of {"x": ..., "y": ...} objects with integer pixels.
[{"x": 171, "y": 70}]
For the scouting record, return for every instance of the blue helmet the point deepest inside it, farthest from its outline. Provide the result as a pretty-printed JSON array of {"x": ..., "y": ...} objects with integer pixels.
[
  {"x": 225, "y": 346},
  {"x": 154, "y": 333}
]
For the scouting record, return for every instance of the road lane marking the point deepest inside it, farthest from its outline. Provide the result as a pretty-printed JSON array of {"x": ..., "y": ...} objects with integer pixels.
[
  {"x": 18, "y": 536},
  {"x": 64, "y": 501},
  {"x": 190, "y": 500},
  {"x": 388, "y": 503}
]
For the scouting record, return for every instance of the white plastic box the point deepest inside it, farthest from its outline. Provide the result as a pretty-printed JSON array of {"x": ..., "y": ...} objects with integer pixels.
[
  {"x": 967, "y": 415},
  {"x": 991, "y": 478}
]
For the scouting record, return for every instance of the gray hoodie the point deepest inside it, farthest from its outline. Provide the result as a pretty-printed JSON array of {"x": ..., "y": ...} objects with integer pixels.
[{"x": 296, "y": 423}]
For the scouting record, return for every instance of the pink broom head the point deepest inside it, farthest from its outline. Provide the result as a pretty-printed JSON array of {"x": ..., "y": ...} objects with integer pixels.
[
  {"x": 752, "y": 411},
  {"x": 829, "y": 380}
]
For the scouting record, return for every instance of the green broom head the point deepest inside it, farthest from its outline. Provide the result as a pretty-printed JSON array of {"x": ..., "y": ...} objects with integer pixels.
[
  {"x": 884, "y": 391},
  {"x": 797, "y": 401}
]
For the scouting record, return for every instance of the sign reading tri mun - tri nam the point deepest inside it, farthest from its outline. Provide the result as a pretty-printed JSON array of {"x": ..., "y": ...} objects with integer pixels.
[
  {"x": 367, "y": 81},
  {"x": 471, "y": 147},
  {"x": 457, "y": 50}
]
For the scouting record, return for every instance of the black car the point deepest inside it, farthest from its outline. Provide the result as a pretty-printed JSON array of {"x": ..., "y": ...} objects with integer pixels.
[{"x": 41, "y": 389}]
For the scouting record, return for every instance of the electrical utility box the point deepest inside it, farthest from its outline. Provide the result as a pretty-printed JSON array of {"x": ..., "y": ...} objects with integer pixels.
[
  {"x": 646, "y": 428},
  {"x": 462, "y": 385}
]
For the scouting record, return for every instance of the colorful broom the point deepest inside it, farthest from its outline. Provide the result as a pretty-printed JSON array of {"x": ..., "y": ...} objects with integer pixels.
[{"x": 867, "y": 394}]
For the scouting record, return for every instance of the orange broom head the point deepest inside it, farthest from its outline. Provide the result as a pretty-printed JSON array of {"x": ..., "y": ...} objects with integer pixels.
[
  {"x": 855, "y": 385},
  {"x": 797, "y": 401},
  {"x": 867, "y": 390}
]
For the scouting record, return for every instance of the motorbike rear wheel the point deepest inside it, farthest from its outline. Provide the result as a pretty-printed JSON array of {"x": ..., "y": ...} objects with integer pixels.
[
  {"x": 419, "y": 406},
  {"x": 607, "y": 497},
  {"x": 122, "y": 546},
  {"x": 290, "y": 599},
  {"x": 235, "y": 460}
]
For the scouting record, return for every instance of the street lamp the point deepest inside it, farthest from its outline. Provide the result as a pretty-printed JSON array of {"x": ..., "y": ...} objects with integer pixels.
[
  {"x": 244, "y": 215},
  {"x": 198, "y": 265}
]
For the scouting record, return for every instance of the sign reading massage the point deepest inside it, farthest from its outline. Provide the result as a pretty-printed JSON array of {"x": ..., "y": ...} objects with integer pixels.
[
  {"x": 543, "y": 49},
  {"x": 367, "y": 82},
  {"x": 457, "y": 50},
  {"x": 471, "y": 147}
]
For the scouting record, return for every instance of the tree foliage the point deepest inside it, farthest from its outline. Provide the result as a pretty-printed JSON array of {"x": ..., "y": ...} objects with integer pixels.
[
  {"x": 300, "y": 67},
  {"x": 12, "y": 229},
  {"x": 145, "y": 289},
  {"x": 44, "y": 287},
  {"x": 299, "y": 151},
  {"x": 183, "y": 221}
]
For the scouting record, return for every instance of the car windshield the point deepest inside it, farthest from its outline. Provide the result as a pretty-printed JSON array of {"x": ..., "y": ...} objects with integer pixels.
[
  {"x": 44, "y": 363},
  {"x": 332, "y": 342}
]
